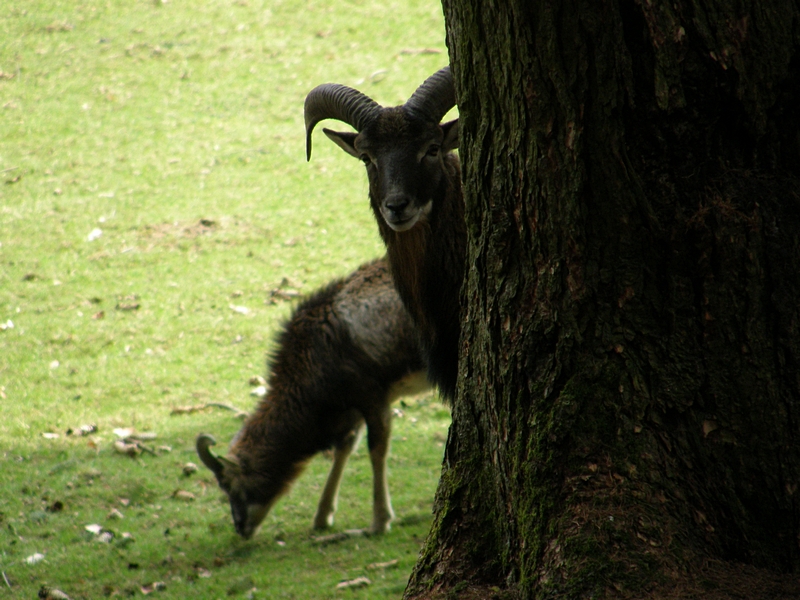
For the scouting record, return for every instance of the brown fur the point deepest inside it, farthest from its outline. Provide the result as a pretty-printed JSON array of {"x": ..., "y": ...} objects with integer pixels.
[
  {"x": 428, "y": 268},
  {"x": 428, "y": 259},
  {"x": 339, "y": 362}
]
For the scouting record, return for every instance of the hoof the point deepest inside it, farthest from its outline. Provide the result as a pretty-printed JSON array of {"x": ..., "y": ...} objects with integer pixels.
[
  {"x": 379, "y": 528},
  {"x": 323, "y": 521}
]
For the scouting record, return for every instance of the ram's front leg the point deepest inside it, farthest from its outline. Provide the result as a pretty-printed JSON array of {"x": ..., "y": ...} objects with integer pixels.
[
  {"x": 330, "y": 495},
  {"x": 379, "y": 431}
]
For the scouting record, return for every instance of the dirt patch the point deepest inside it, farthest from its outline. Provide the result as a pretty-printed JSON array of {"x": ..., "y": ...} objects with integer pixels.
[{"x": 184, "y": 229}]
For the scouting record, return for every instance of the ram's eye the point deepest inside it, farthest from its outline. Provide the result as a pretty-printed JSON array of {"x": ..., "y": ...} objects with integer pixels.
[
  {"x": 433, "y": 150},
  {"x": 366, "y": 159}
]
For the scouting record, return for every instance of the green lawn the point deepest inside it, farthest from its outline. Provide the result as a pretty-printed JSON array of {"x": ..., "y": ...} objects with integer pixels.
[{"x": 153, "y": 181}]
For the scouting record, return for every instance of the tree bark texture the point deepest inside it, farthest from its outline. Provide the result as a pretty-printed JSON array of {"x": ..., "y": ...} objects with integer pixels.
[{"x": 628, "y": 415}]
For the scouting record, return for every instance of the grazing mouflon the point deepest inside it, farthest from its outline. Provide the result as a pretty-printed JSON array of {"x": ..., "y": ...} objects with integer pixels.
[{"x": 344, "y": 355}]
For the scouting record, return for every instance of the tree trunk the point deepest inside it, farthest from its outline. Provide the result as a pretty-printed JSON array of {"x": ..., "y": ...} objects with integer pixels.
[{"x": 628, "y": 415}]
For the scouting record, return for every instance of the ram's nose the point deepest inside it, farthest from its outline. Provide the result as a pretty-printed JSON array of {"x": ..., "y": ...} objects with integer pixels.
[{"x": 396, "y": 205}]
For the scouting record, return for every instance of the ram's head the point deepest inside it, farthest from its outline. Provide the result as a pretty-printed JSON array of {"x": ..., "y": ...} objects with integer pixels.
[{"x": 402, "y": 147}]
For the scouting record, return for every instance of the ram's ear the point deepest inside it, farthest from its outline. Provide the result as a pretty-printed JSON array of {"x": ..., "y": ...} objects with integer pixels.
[
  {"x": 345, "y": 140},
  {"x": 450, "y": 140}
]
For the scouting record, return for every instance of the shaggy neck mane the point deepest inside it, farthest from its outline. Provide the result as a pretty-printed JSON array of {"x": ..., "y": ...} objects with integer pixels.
[
  {"x": 428, "y": 263},
  {"x": 272, "y": 437},
  {"x": 407, "y": 252}
]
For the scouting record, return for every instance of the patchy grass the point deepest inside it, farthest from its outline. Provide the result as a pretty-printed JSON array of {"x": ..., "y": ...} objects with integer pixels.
[{"x": 152, "y": 179}]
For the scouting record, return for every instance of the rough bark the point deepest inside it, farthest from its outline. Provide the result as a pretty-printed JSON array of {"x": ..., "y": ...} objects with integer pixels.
[{"x": 628, "y": 415}]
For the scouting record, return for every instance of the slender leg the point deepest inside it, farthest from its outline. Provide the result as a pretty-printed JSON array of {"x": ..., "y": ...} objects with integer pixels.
[
  {"x": 378, "y": 435},
  {"x": 330, "y": 495}
]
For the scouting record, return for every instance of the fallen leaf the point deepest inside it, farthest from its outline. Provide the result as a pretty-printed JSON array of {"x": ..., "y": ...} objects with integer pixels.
[
  {"x": 99, "y": 315},
  {"x": 115, "y": 514},
  {"x": 282, "y": 295},
  {"x": 94, "y": 234},
  {"x": 94, "y": 528},
  {"x": 127, "y": 306},
  {"x": 35, "y": 558},
  {"x": 123, "y": 447},
  {"x": 242, "y": 310},
  {"x": 156, "y": 586},
  {"x": 130, "y": 434},
  {"x": 257, "y": 380},
  {"x": 421, "y": 51},
  {"x": 83, "y": 430},
  {"x": 259, "y": 391},
  {"x": 59, "y": 26},
  {"x": 48, "y": 593},
  {"x": 183, "y": 495},
  {"x": 50, "y": 436},
  {"x": 105, "y": 537},
  {"x": 189, "y": 468},
  {"x": 7, "y": 325}
]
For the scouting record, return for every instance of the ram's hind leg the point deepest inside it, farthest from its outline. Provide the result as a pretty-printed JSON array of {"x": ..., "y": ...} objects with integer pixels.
[
  {"x": 330, "y": 495},
  {"x": 379, "y": 429}
]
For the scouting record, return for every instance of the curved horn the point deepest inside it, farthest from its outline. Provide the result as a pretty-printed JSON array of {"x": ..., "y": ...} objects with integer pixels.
[
  {"x": 205, "y": 440},
  {"x": 334, "y": 101},
  {"x": 435, "y": 96}
]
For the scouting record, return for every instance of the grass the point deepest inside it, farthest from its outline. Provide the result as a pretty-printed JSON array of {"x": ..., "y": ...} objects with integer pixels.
[{"x": 152, "y": 155}]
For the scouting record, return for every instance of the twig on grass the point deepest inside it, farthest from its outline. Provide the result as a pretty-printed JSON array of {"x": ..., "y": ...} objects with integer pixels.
[
  {"x": 324, "y": 540},
  {"x": 186, "y": 410}
]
